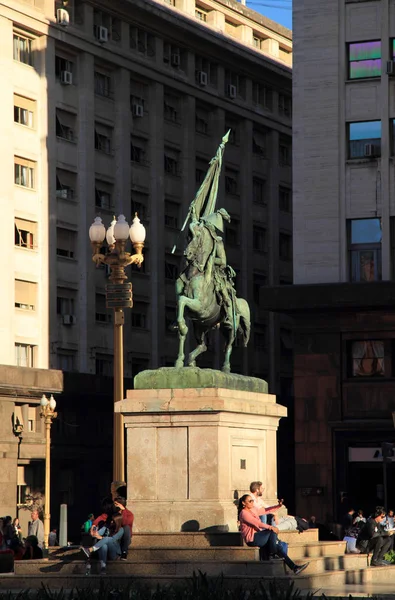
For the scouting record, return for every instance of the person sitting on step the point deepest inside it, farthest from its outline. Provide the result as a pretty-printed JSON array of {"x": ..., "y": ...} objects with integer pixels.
[
  {"x": 256, "y": 533},
  {"x": 107, "y": 541},
  {"x": 373, "y": 538}
]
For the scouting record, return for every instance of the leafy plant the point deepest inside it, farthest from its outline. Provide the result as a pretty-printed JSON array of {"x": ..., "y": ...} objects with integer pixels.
[{"x": 390, "y": 556}]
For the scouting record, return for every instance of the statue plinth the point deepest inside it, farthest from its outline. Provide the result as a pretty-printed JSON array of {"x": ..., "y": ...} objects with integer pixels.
[{"x": 190, "y": 450}]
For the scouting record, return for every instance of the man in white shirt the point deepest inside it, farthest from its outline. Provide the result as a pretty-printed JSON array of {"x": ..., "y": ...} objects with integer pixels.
[{"x": 36, "y": 527}]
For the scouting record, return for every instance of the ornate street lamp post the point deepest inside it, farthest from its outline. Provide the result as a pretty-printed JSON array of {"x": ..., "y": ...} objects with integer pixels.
[
  {"x": 118, "y": 297},
  {"x": 47, "y": 413}
]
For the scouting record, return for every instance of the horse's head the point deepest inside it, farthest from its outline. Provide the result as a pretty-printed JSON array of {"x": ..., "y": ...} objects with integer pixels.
[{"x": 199, "y": 247}]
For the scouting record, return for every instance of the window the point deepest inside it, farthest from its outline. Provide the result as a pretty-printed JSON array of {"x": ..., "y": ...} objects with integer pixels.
[
  {"x": 235, "y": 85},
  {"x": 171, "y": 108},
  {"x": 139, "y": 203},
  {"x": 66, "y": 360},
  {"x": 174, "y": 56},
  {"x": 172, "y": 214},
  {"x": 285, "y": 152},
  {"x": 285, "y": 105},
  {"x": 103, "y": 137},
  {"x": 138, "y": 364},
  {"x": 259, "y": 142},
  {"x": 206, "y": 71},
  {"x": 367, "y": 358},
  {"x": 23, "y": 49},
  {"x": 365, "y": 237},
  {"x": 65, "y": 125},
  {"x": 171, "y": 269},
  {"x": 231, "y": 181},
  {"x": 24, "y": 110},
  {"x": 172, "y": 161},
  {"x": 103, "y": 314},
  {"x": 66, "y": 242},
  {"x": 104, "y": 365},
  {"x": 364, "y": 60},
  {"x": 102, "y": 19},
  {"x": 103, "y": 195},
  {"x": 200, "y": 13},
  {"x": 259, "y": 238},
  {"x": 25, "y": 294},
  {"x": 24, "y": 172},
  {"x": 202, "y": 117},
  {"x": 364, "y": 139},
  {"x": 65, "y": 184},
  {"x": 25, "y": 355},
  {"x": 170, "y": 318},
  {"x": 262, "y": 95},
  {"x": 25, "y": 233},
  {"x": 138, "y": 150},
  {"x": 232, "y": 233},
  {"x": 285, "y": 199},
  {"x": 232, "y": 125},
  {"x": 140, "y": 315},
  {"x": 258, "y": 190},
  {"x": 285, "y": 246},
  {"x": 142, "y": 41},
  {"x": 65, "y": 301},
  {"x": 139, "y": 98},
  {"x": 62, "y": 65},
  {"x": 259, "y": 280},
  {"x": 102, "y": 85}
]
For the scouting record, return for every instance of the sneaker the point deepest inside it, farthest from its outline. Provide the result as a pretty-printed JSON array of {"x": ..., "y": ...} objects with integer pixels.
[
  {"x": 86, "y": 551},
  {"x": 124, "y": 556},
  {"x": 299, "y": 568},
  {"x": 103, "y": 571},
  {"x": 378, "y": 563}
]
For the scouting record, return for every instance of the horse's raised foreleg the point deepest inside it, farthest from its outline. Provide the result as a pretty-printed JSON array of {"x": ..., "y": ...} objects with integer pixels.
[
  {"x": 194, "y": 305},
  {"x": 200, "y": 348}
]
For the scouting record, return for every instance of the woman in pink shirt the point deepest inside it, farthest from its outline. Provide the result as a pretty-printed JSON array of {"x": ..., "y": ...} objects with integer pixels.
[{"x": 256, "y": 533}]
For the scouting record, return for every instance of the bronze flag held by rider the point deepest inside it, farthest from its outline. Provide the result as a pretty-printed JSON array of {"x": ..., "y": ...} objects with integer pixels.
[{"x": 205, "y": 288}]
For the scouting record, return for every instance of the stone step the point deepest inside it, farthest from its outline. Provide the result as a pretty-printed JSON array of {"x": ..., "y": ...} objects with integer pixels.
[
  {"x": 186, "y": 568},
  {"x": 202, "y": 539},
  {"x": 310, "y": 581}
]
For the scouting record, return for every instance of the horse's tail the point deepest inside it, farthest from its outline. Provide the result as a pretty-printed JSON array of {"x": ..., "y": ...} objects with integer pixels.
[{"x": 245, "y": 320}]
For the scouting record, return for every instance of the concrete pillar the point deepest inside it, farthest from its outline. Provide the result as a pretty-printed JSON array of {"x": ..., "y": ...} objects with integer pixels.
[
  {"x": 271, "y": 47},
  {"x": 245, "y": 34},
  {"x": 216, "y": 19},
  {"x": 187, "y": 6},
  {"x": 156, "y": 230},
  {"x": 86, "y": 187}
]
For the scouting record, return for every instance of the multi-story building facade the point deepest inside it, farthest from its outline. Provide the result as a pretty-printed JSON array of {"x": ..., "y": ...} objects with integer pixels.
[
  {"x": 344, "y": 215},
  {"x": 118, "y": 108}
]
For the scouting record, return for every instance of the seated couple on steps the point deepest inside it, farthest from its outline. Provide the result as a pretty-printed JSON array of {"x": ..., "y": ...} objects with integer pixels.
[
  {"x": 256, "y": 533},
  {"x": 111, "y": 532},
  {"x": 284, "y": 523}
]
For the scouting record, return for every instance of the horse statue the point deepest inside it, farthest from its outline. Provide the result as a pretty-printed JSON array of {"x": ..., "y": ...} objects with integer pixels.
[{"x": 205, "y": 289}]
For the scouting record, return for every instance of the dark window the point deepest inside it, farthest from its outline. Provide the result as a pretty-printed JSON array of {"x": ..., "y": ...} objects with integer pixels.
[
  {"x": 262, "y": 95},
  {"x": 259, "y": 238},
  {"x": 231, "y": 182},
  {"x": 365, "y": 237},
  {"x": 25, "y": 233},
  {"x": 364, "y": 60},
  {"x": 285, "y": 153},
  {"x": 285, "y": 105},
  {"x": 102, "y": 85},
  {"x": 104, "y": 365},
  {"x": 285, "y": 199},
  {"x": 232, "y": 237},
  {"x": 258, "y": 190},
  {"x": 171, "y": 271},
  {"x": 367, "y": 358},
  {"x": 285, "y": 246},
  {"x": 140, "y": 315},
  {"x": 142, "y": 41},
  {"x": 62, "y": 65},
  {"x": 364, "y": 139},
  {"x": 259, "y": 280}
]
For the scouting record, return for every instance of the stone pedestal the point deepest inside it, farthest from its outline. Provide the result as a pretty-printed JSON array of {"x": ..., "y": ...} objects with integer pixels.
[{"x": 191, "y": 451}]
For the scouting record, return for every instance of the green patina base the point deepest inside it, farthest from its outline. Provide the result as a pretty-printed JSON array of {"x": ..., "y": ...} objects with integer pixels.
[{"x": 193, "y": 377}]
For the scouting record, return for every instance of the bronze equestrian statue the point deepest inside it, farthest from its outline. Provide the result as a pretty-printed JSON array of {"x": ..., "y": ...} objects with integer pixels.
[{"x": 205, "y": 289}]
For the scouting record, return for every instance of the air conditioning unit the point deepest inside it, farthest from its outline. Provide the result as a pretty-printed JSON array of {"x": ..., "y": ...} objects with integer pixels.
[
  {"x": 202, "y": 77},
  {"x": 390, "y": 67},
  {"x": 69, "y": 320},
  {"x": 66, "y": 77},
  {"x": 175, "y": 60},
  {"x": 231, "y": 91},
  {"x": 138, "y": 110},
  {"x": 62, "y": 17},
  {"x": 370, "y": 150},
  {"x": 62, "y": 194},
  {"x": 102, "y": 35}
]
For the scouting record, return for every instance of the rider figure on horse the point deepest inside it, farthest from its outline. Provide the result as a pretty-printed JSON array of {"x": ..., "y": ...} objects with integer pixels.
[{"x": 223, "y": 274}]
